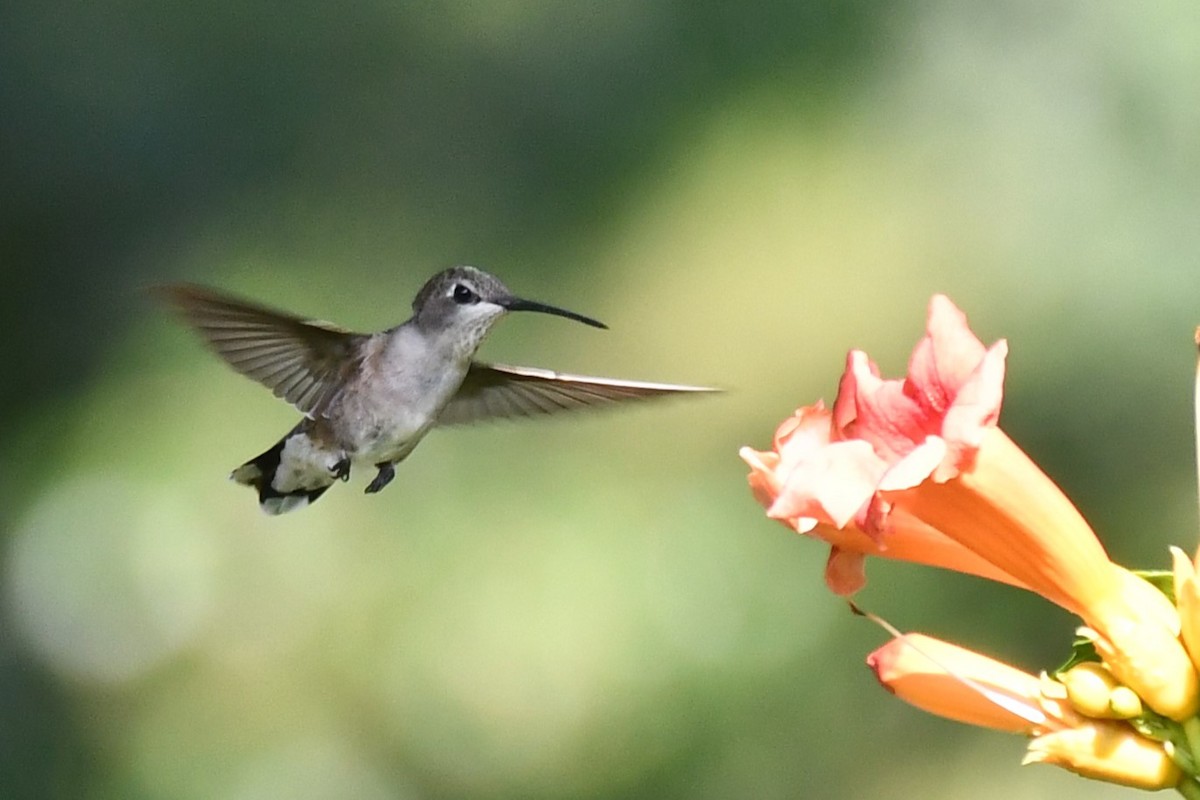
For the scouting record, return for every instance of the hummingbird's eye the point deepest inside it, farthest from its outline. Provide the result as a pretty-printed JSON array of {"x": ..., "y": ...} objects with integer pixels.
[{"x": 463, "y": 295}]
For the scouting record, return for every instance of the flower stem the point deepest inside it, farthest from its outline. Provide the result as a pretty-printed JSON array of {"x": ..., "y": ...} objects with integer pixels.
[{"x": 1191, "y": 733}]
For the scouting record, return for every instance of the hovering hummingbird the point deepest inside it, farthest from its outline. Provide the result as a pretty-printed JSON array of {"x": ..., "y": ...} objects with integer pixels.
[{"x": 371, "y": 398}]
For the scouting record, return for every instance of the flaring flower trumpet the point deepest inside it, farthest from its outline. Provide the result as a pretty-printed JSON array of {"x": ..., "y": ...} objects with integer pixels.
[{"x": 917, "y": 469}]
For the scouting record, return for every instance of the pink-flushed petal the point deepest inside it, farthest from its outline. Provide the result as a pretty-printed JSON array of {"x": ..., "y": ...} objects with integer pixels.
[
  {"x": 832, "y": 484},
  {"x": 828, "y": 516},
  {"x": 806, "y": 429},
  {"x": 765, "y": 484},
  {"x": 960, "y": 684},
  {"x": 845, "y": 571},
  {"x": 809, "y": 477},
  {"x": 975, "y": 410},
  {"x": 914, "y": 468},
  {"x": 762, "y": 478},
  {"x": 909, "y": 539},
  {"x": 953, "y": 391},
  {"x": 845, "y": 413},
  {"x": 944, "y": 359},
  {"x": 891, "y": 422}
]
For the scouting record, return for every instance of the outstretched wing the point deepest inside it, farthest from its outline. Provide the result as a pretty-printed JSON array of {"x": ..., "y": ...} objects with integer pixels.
[
  {"x": 496, "y": 391},
  {"x": 302, "y": 361}
]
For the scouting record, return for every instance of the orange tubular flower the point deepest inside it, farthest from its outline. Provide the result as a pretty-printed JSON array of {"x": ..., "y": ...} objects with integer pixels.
[{"x": 917, "y": 469}]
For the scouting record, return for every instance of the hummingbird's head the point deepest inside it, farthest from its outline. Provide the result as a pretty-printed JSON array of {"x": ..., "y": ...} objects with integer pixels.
[{"x": 470, "y": 301}]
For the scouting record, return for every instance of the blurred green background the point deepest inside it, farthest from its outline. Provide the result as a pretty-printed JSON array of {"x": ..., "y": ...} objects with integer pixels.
[{"x": 591, "y": 607}]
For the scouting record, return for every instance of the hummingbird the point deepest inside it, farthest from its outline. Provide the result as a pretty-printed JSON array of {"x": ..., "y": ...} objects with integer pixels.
[{"x": 370, "y": 398}]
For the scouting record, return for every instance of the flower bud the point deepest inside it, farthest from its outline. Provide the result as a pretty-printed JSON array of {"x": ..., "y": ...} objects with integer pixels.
[
  {"x": 1107, "y": 751},
  {"x": 1125, "y": 704},
  {"x": 959, "y": 684},
  {"x": 1089, "y": 689}
]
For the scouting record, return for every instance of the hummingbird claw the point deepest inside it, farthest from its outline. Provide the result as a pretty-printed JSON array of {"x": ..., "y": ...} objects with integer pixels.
[
  {"x": 341, "y": 470},
  {"x": 387, "y": 471}
]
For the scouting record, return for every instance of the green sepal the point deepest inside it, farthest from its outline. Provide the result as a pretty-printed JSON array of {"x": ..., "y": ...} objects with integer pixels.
[
  {"x": 1082, "y": 651},
  {"x": 1155, "y": 727},
  {"x": 1161, "y": 729}
]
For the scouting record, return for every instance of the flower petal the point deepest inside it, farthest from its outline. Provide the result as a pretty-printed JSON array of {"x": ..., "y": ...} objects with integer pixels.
[
  {"x": 883, "y": 414},
  {"x": 945, "y": 359},
  {"x": 823, "y": 488},
  {"x": 975, "y": 410},
  {"x": 953, "y": 390},
  {"x": 845, "y": 571},
  {"x": 832, "y": 484}
]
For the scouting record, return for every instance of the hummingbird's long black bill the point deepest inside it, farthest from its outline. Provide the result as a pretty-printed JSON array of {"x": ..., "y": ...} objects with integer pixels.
[{"x": 519, "y": 304}]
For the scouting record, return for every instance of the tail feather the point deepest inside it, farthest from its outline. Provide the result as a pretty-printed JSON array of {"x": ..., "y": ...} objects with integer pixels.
[{"x": 260, "y": 473}]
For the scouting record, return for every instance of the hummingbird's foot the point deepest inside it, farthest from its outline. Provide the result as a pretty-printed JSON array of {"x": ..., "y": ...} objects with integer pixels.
[
  {"x": 341, "y": 470},
  {"x": 387, "y": 471}
]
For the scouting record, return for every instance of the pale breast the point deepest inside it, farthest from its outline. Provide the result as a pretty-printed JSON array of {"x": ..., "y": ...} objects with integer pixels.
[{"x": 395, "y": 400}]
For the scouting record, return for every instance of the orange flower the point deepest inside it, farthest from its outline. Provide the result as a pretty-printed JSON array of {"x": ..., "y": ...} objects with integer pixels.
[
  {"x": 826, "y": 469},
  {"x": 916, "y": 468}
]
